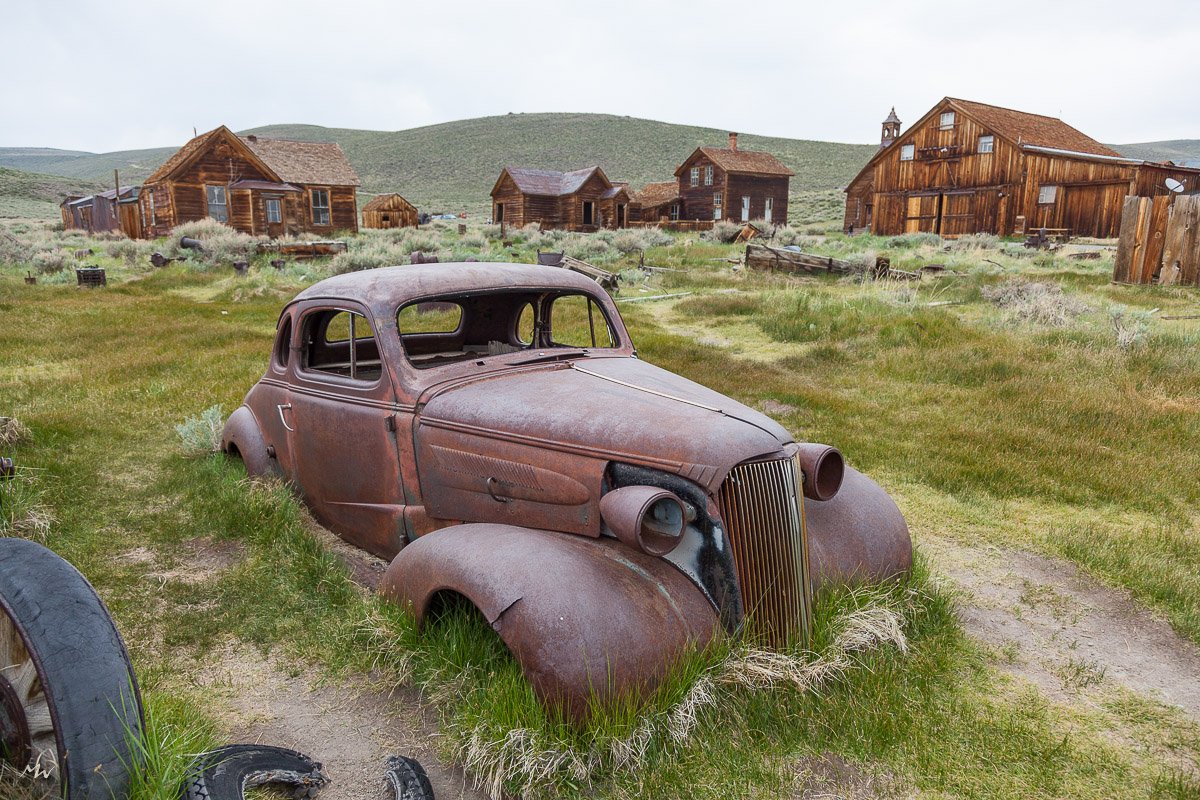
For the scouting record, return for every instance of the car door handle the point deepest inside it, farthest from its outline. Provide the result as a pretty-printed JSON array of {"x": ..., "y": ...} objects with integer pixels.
[
  {"x": 491, "y": 487},
  {"x": 288, "y": 407}
]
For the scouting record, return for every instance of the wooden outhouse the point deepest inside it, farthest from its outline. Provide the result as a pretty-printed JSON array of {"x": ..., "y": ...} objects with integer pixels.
[
  {"x": 259, "y": 186},
  {"x": 580, "y": 200},
  {"x": 389, "y": 211}
]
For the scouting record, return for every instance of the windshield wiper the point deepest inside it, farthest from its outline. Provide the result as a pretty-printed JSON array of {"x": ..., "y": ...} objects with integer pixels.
[{"x": 552, "y": 355}]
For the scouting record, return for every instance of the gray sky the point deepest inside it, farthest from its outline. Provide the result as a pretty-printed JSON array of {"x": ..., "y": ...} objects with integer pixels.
[{"x": 114, "y": 75}]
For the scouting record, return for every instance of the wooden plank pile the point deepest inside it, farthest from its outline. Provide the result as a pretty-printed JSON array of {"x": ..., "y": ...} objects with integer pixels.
[
  {"x": 601, "y": 276},
  {"x": 778, "y": 259},
  {"x": 303, "y": 249}
]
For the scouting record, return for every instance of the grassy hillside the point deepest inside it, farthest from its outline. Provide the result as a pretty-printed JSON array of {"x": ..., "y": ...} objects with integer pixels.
[
  {"x": 26, "y": 194},
  {"x": 1175, "y": 150},
  {"x": 452, "y": 166}
]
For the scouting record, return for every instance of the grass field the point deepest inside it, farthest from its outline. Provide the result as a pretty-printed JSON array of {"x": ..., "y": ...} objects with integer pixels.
[{"x": 1059, "y": 419}]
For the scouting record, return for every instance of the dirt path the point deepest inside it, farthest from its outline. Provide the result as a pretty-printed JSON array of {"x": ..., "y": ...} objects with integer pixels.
[
  {"x": 1064, "y": 631},
  {"x": 349, "y": 728}
]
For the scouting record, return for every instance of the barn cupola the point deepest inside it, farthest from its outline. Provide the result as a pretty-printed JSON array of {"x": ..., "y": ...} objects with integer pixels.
[{"x": 891, "y": 128}]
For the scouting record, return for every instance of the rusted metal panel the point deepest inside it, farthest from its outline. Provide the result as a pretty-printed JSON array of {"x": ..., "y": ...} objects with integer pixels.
[{"x": 585, "y": 619}]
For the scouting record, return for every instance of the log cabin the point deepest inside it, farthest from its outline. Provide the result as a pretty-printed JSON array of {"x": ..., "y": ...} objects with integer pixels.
[
  {"x": 389, "y": 211},
  {"x": 725, "y": 183},
  {"x": 268, "y": 187},
  {"x": 968, "y": 167},
  {"x": 657, "y": 202},
  {"x": 582, "y": 200}
]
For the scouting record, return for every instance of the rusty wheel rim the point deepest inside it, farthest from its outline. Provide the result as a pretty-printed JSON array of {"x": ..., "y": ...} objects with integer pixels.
[{"x": 26, "y": 725}]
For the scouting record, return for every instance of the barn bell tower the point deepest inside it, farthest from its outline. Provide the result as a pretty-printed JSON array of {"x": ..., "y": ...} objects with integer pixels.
[{"x": 891, "y": 129}]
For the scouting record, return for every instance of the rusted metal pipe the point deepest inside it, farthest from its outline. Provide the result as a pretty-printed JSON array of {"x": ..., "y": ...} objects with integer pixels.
[
  {"x": 645, "y": 518},
  {"x": 823, "y": 468},
  {"x": 188, "y": 243}
]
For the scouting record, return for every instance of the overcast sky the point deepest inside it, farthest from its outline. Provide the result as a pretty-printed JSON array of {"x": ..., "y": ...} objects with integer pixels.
[{"x": 113, "y": 75}]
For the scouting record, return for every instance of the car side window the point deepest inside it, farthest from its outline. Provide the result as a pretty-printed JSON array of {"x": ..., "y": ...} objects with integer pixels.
[
  {"x": 283, "y": 343},
  {"x": 341, "y": 342},
  {"x": 577, "y": 321}
]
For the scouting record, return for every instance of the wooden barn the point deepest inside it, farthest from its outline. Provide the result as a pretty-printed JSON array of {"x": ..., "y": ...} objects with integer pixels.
[
  {"x": 389, "y": 211},
  {"x": 657, "y": 202},
  {"x": 968, "y": 167},
  {"x": 104, "y": 212},
  {"x": 259, "y": 186},
  {"x": 580, "y": 200},
  {"x": 718, "y": 183}
]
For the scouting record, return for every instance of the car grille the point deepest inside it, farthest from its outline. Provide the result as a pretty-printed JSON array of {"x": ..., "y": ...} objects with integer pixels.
[{"x": 762, "y": 504}]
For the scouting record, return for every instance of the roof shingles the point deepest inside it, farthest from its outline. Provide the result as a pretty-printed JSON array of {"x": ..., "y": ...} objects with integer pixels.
[{"x": 1024, "y": 128}]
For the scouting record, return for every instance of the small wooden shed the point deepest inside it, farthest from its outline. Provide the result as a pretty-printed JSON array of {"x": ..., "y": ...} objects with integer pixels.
[{"x": 389, "y": 211}]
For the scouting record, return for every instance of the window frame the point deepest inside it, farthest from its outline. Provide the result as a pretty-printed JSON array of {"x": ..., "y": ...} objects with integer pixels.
[
  {"x": 309, "y": 317},
  {"x": 943, "y": 125},
  {"x": 695, "y": 176},
  {"x": 708, "y": 175},
  {"x": 908, "y": 152},
  {"x": 208, "y": 203},
  {"x": 1053, "y": 187},
  {"x": 278, "y": 201},
  {"x": 991, "y": 143},
  {"x": 313, "y": 207},
  {"x": 718, "y": 205}
]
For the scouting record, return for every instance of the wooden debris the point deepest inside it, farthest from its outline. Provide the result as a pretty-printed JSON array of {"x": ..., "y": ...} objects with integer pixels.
[
  {"x": 601, "y": 276},
  {"x": 1180, "y": 316},
  {"x": 303, "y": 249},
  {"x": 652, "y": 297},
  {"x": 747, "y": 233},
  {"x": 1087, "y": 255},
  {"x": 764, "y": 257}
]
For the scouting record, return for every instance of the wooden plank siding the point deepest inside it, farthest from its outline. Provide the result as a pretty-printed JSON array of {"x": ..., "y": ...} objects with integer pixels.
[{"x": 389, "y": 211}]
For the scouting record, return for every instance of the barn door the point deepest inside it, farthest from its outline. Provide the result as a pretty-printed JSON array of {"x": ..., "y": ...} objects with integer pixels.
[
  {"x": 922, "y": 213},
  {"x": 958, "y": 214}
]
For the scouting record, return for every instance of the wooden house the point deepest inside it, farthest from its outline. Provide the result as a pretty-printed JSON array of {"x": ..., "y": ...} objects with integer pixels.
[
  {"x": 71, "y": 220},
  {"x": 580, "y": 200},
  {"x": 718, "y": 183},
  {"x": 389, "y": 211},
  {"x": 259, "y": 186},
  {"x": 968, "y": 167},
  {"x": 657, "y": 202}
]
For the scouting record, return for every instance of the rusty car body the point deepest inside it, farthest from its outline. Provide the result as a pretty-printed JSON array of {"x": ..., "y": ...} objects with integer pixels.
[{"x": 490, "y": 429}]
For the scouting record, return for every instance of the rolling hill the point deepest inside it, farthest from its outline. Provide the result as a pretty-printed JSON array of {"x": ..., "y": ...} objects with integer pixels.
[
  {"x": 28, "y": 194},
  {"x": 451, "y": 166}
]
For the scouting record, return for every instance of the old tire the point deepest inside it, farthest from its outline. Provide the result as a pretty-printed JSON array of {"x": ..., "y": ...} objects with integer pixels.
[
  {"x": 226, "y": 773},
  {"x": 407, "y": 779},
  {"x": 69, "y": 702}
]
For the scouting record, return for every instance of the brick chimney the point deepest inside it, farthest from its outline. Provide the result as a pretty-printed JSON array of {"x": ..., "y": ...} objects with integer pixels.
[{"x": 732, "y": 141}]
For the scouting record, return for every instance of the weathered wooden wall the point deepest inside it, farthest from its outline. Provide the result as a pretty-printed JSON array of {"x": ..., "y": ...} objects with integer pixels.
[
  {"x": 1160, "y": 241},
  {"x": 392, "y": 212}
]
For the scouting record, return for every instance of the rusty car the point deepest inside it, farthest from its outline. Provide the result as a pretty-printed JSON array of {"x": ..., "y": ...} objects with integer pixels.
[{"x": 491, "y": 431}]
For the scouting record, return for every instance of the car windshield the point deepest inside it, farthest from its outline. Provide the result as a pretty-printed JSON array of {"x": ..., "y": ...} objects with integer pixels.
[{"x": 464, "y": 327}]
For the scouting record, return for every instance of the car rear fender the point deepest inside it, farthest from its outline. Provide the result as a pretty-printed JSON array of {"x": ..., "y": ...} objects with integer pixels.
[
  {"x": 584, "y": 617},
  {"x": 243, "y": 437}
]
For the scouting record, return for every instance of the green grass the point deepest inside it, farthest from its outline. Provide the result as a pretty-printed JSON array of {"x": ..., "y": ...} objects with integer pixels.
[
  {"x": 36, "y": 196},
  {"x": 986, "y": 429}
]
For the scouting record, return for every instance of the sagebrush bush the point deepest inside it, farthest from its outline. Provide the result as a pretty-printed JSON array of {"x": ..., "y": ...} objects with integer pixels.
[
  {"x": 975, "y": 241},
  {"x": 910, "y": 241},
  {"x": 723, "y": 232},
  {"x": 49, "y": 262},
  {"x": 629, "y": 240},
  {"x": 1037, "y": 302},
  {"x": 222, "y": 244},
  {"x": 201, "y": 434}
]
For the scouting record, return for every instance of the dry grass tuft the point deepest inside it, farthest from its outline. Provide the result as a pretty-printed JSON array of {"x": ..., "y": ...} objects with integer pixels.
[
  {"x": 201, "y": 434},
  {"x": 1037, "y": 302},
  {"x": 13, "y": 432}
]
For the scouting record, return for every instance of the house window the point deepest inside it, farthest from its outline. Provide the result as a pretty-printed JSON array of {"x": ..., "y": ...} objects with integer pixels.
[
  {"x": 1047, "y": 195},
  {"x": 695, "y": 176},
  {"x": 986, "y": 143},
  {"x": 320, "y": 206},
  {"x": 708, "y": 176},
  {"x": 717, "y": 205},
  {"x": 675, "y": 211},
  {"x": 218, "y": 204},
  {"x": 274, "y": 212},
  {"x": 153, "y": 214},
  {"x": 907, "y": 151},
  {"x": 946, "y": 122}
]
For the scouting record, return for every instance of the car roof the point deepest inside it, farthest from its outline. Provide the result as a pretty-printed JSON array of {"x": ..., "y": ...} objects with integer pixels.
[{"x": 387, "y": 287}]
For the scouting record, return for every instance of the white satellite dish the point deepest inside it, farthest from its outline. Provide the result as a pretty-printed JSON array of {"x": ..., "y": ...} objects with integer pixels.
[{"x": 1173, "y": 185}]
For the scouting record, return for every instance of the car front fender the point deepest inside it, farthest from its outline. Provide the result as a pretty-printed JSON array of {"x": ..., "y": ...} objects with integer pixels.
[
  {"x": 857, "y": 536},
  {"x": 584, "y": 617},
  {"x": 241, "y": 435}
]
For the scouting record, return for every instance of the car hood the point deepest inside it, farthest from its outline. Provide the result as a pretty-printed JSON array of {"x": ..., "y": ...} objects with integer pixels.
[{"x": 620, "y": 409}]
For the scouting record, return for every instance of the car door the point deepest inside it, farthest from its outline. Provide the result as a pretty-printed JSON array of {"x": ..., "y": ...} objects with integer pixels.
[{"x": 342, "y": 429}]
